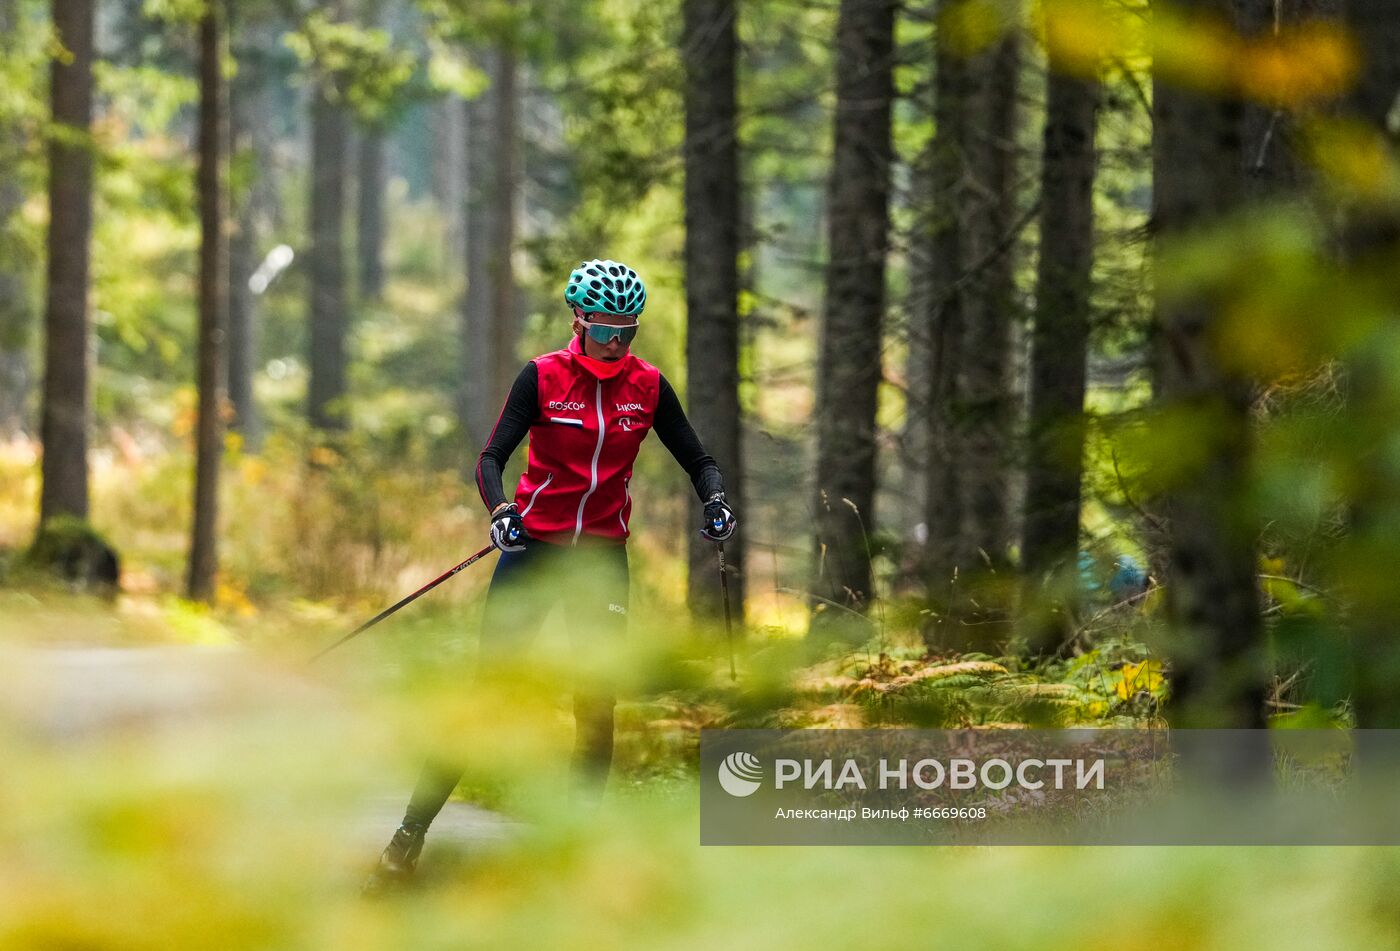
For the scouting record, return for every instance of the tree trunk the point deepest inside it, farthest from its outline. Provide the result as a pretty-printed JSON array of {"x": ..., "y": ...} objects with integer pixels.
[
  {"x": 986, "y": 405},
  {"x": 64, "y": 428},
  {"x": 1376, "y": 27},
  {"x": 941, "y": 318},
  {"x": 213, "y": 301},
  {"x": 16, "y": 311},
  {"x": 1270, "y": 158},
  {"x": 849, "y": 369},
  {"x": 242, "y": 256},
  {"x": 918, "y": 360},
  {"x": 712, "y": 228},
  {"x": 329, "y": 137},
  {"x": 505, "y": 162},
  {"x": 1212, "y": 597},
  {"x": 913, "y": 439},
  {"x": 448, "y": 163},
  {"x": 1059, "y": 344},
  {"x": 478, "y": 402},
  {"x": 371, "y": 214},
  {"x": 1370, "y": 243},
  {"x": 370, "y": 180}
]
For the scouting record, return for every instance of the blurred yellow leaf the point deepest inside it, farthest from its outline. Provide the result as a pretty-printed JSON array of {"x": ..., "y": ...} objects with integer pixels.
[
  {"x": 1311, "y": 63},
  {"x": 1195, "y": 52},
  {"x": 183, "y": 423},
  {"x": 229, "y": 597},
  {"x": 1249, "y": 339},
  {"x": 1353, "y": 157},
  {"x": 1170, "y": 446},
  {"x": 1288, "y": 594},
  {"x": 323, "y": 456},
  {"x": 1139, "y": 677},
  {"x": 254, "y": 470},
  {"x": 1080, "y": 35}
]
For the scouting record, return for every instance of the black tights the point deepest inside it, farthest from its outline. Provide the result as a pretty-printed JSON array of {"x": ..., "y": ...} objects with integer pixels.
[{"x": 592, "y": 582}]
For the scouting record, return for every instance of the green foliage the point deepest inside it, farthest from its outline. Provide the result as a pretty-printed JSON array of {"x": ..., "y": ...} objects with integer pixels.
[
  {"x": 143, "y": 100},
  {"x": 23, "y": 121},
  {"x": 450, "y": 71},
  {"x": 360, "y": 67},
  {"x": 23, "y": 74},
  {"x": 145, "y": 239},
  {"x": 624, "y": 123},
  {"x": 175, "y": 11},
  {"x": 1114, "y": 684}
]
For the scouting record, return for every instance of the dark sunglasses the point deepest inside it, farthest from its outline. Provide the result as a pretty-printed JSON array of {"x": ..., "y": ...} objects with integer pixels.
[{"x": 606, "y": 333}]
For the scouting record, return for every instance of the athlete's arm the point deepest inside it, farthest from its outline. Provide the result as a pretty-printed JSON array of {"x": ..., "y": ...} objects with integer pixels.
[
  {"x": 514, "y": 423},
  {"x": 677, "y": 435}
]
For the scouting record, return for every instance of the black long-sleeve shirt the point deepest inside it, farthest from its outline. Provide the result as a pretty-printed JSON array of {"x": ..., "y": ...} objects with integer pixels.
[{"x": 522, "y": 406}]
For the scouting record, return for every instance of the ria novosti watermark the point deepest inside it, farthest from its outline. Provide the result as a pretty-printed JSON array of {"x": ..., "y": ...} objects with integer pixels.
[
  {"x": 740, "y": 773},
  {"x": 1045, "y": 786}
]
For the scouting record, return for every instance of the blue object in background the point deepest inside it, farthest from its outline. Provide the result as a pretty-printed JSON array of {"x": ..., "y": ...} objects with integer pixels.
[{"x": 1129, "y": 580}]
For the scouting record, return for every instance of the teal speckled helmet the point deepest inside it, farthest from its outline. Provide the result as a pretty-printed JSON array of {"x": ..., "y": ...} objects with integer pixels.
[{"x": 606, "y": 287}]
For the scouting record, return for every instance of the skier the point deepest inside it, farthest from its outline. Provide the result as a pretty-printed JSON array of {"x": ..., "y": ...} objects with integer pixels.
[{"x": 562, "y": 539}]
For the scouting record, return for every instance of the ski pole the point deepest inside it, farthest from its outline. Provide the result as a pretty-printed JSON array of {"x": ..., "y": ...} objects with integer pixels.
[
  {"x": 728, "y": 624},
  {"x": 408, "y": 600}
]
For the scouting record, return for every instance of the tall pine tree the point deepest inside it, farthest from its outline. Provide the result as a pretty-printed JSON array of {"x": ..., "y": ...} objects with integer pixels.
[
  {"x": 1059, "y": 354},
  {"x": 849, "y": 368},
  {"x": 712, "y": 228},
  {"x": 1212, "y": 595},
  {"x": 67, "y": 390},
  {"x": 213, "y": 302}
]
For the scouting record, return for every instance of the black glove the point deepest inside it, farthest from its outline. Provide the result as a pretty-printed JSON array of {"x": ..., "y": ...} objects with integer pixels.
[
  {"x": 719, "y": 519},
  {"x": 508, "y": 529}
]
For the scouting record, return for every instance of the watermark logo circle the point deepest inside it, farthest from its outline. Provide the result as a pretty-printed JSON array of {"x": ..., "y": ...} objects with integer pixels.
[{"x": 740, "y": 774}]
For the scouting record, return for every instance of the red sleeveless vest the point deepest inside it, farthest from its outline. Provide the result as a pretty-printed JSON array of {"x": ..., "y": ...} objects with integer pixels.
[{"x": 582, "y": 445}]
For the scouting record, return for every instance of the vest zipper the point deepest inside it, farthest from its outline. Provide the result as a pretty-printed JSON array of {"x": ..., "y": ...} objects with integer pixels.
[
  {"x": 549, "y": 477},
  {"x": 598, "y": 451}
]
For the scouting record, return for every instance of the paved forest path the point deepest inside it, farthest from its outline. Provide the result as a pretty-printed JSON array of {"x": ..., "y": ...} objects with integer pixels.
[{"x": 73, "y": 695}]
